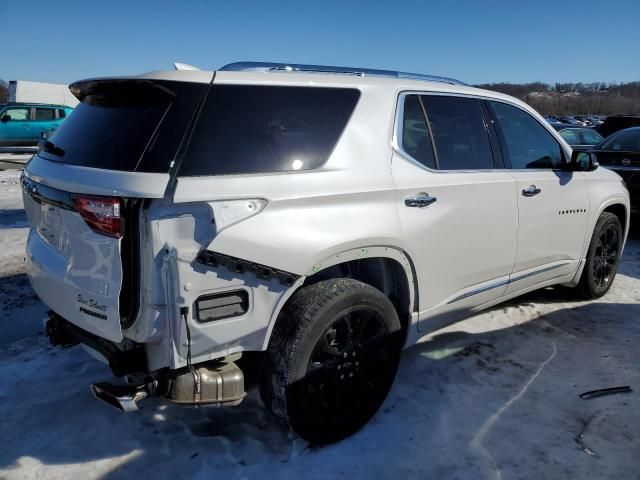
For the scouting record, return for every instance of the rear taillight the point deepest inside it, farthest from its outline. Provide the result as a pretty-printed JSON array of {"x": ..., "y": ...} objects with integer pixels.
[{"x": 102, "y": 214}]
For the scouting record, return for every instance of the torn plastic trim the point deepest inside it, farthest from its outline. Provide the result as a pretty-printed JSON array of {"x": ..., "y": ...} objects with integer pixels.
[{"x": 240, "y": 266}]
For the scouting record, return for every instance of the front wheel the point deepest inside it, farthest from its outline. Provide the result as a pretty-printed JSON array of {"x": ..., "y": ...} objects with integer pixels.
[
  {"x": 332, "y": 358},
  {"x": 603, "y": 257}
]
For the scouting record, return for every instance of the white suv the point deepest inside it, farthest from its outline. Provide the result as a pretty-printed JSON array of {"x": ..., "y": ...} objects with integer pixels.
[{"x": 317, "y": 219}]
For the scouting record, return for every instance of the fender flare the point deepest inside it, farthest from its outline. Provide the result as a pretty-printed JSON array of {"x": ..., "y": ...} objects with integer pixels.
[
  {"x": 591, "y": 227},
  {"x": 359, "y": 253}
]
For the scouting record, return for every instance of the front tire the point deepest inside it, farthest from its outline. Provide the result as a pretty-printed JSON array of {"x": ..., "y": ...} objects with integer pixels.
[
  {"x": 332, "y": 359},
  {"x": 603, "y": 257}
]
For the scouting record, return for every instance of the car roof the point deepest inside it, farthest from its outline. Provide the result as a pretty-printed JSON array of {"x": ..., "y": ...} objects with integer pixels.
[
  {"x": 33, "y": 104},
  {"x": 630, "y": 129},
  {"x": 307, "y": 78}
]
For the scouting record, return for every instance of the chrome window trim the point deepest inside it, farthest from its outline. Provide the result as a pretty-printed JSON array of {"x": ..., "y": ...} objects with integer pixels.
[{"x": 396, "y": 144}]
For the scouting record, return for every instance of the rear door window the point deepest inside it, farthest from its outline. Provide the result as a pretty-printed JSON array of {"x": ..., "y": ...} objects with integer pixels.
[
  {"x": 45, "y": 114},
  {"x": 459, "y": 133},
  {"x": 527, "y": 143},
  {"x": 590, "y": 137},
  {"x": 416, "y": 140},
  {"x": 571, "y": 136},
  {"x": 259, "y": 129}
]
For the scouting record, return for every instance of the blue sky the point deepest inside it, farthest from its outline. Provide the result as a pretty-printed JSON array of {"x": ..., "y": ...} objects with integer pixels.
[{"x": 475, "y": 41}]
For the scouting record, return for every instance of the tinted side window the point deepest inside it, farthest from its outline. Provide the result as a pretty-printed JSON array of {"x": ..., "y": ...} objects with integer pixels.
[
  {"x": 628, "y": 141},
  {"x": 259, "y": 129},
  {"x": 61, "y": 113},
  {"x": 416, "y": 140},
  {"x": 591, "y": 137},
  {"x": 45, "y": 114},
  {"x": 571, "y": 136},
  {"x": 459, "y": 133},
  {"x": 528, "y": 144}
]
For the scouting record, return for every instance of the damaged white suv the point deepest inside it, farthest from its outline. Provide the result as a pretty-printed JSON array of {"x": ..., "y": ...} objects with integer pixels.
[{"x": 316, "y": 218}]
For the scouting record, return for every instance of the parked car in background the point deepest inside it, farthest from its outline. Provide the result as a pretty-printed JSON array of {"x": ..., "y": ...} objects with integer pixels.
[
  {"x": 621, "y": 153},
  {"x": 589, "y": 120},
  {"x": 613, "y": 123},
  {"x": 28, "y": 123},
  {"x": 571, "y": 120},
  {"x": 581, "y": 138},
  {"x": 556, "y": 123}
]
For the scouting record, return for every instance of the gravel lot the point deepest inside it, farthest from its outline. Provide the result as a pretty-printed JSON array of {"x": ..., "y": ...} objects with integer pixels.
[{"x": 495, "y": 396}]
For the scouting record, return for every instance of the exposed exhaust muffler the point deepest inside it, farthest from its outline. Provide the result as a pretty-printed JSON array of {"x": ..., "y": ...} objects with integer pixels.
[
  {"x": 123, "y": 397},
  {"x": 213, "y": 383}
]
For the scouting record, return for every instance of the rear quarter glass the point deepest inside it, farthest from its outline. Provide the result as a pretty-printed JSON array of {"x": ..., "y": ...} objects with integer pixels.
[
  {"x": 127, "y": 125},
  {"x": 262, "y": 129}
]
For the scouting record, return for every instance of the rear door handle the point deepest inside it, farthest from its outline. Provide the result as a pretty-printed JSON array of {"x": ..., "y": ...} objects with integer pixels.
[
  {"x": 420, "y": 200},
  {"x": 531, "y": 191}
]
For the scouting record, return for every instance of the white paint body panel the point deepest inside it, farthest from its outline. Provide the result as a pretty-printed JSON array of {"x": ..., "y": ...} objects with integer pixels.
[{"x": 459, "y": 254}]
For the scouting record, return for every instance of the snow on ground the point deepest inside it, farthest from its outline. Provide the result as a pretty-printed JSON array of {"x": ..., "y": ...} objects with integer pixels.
[{"x": 496, "y": 396}]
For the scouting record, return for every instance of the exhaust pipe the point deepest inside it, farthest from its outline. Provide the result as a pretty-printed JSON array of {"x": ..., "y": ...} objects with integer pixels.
[{"x": 123, "y": 397}]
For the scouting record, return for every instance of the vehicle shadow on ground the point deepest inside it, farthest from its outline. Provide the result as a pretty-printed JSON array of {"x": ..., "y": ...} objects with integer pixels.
[
  {"x": 464, "y": 406},
  {"x": 13, "y": 218},
  {"x": 16, "y": 295}
]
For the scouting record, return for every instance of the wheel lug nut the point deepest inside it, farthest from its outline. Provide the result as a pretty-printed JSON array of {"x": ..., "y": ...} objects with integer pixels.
[
  {"x": 345, "y": 354},
  {"x": 339, "y": 367},
  {"x": 353, "y": 354},
  {"x": 351, "y": 374},
  {"x": 357, "y": 363},
  {"x": 341, "y": 377}
]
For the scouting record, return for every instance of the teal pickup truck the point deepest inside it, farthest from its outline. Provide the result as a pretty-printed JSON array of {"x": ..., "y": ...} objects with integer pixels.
[{"x": 28, "y": 123}]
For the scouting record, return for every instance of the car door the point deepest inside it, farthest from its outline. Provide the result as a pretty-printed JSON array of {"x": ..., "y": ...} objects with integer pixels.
[
  {"x": 44, "y": 121},
  {"x": 15, "y": 126},
  {"x": 553, "y": 204},
  {"x": 456, "y": 207}
]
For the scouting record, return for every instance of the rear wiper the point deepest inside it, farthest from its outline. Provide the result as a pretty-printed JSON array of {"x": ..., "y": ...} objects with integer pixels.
[{"x": 49, "y": 147}]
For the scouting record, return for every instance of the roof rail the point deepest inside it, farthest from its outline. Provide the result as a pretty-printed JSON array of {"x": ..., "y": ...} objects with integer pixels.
[{"x": 359, "y": 72}]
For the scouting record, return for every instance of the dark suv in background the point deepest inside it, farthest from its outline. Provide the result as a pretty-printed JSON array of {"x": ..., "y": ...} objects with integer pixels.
[{"x": 613, "y": 123}]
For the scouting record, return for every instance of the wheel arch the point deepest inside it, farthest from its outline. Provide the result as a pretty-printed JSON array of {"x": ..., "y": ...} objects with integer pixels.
[
  {"x": 620, "y": 211},
  {"x": 388, "y": 269},
  {"x": 620, "y": 208}
]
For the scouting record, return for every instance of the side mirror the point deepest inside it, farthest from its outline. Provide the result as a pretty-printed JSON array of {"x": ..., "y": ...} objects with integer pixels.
[
  {"x": 5, "y": 118},
  {"x": 583, "y": 161}
]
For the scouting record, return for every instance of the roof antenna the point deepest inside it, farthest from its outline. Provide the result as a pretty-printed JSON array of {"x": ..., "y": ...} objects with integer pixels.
[{"x": 184, "y": 66}]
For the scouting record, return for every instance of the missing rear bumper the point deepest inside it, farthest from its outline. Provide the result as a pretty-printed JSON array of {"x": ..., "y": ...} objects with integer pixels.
[{"x": 122, "y": 362}]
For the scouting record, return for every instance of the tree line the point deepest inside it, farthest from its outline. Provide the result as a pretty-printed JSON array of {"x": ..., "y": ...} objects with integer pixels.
[{"x": 596, "y": 98}]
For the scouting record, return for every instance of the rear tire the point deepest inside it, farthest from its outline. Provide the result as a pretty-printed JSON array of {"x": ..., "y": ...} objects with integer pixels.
[
  {"x": 332, "y": 359},
  {"x": 603, "y": 257}
]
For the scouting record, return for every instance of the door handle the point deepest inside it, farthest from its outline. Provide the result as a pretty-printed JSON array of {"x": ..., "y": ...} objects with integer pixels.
[
  {"x": 420, "y": 200},
  {"x": 531, "y": 191}
]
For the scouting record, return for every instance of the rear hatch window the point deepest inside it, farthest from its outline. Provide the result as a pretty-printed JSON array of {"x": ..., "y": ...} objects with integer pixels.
[
  {"x": 262, "y": 129},
  {"x": 127, "y": 125}
]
